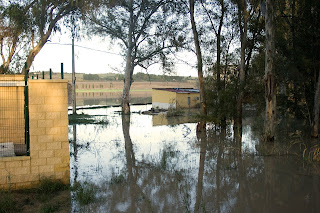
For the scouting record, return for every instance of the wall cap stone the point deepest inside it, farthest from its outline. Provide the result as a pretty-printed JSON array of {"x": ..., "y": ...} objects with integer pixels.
[
  {"x": 16, "y": 158},
  {"x": 47, "y": 80}
]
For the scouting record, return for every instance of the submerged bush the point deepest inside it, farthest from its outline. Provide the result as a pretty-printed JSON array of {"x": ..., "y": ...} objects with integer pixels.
[
  {"x": 84, "y": 193},
  {"x": 85, "y": 119},
  {"x": 174, "y": 112}
]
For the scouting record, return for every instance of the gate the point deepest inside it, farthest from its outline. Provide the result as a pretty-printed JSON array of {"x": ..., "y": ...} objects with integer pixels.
[{"x": 14, "y": 116}]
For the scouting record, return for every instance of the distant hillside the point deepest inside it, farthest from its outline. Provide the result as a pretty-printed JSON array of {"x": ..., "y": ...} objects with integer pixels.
[{"x": 114, "y": 77}]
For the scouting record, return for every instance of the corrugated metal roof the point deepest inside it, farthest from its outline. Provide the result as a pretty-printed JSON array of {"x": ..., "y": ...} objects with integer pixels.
[{"x": 179, "y": 90}]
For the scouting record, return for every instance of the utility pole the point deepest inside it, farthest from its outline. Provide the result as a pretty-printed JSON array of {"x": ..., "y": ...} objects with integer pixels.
[{"x": 73, "y": 80}]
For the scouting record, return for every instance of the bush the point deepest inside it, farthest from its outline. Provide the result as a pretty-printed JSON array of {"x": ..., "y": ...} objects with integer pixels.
[{"x": 85, "y": 193}]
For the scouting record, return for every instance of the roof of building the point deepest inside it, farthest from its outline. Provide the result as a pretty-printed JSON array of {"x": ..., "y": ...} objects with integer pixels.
[{"x": 179, "y": 90}]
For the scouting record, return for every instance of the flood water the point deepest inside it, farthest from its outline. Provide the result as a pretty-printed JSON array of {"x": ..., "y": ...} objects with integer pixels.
[{"x": 145, "y": 163}]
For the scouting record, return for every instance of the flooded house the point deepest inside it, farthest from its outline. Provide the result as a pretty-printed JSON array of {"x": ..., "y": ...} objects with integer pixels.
[{"x": 176, "y": 98}]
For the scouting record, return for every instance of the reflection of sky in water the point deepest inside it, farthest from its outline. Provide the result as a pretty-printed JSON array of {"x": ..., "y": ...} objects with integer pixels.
[
  {"x": 104, "y": 155},
  {"x": 248, "y": 142},
  {"x": 232, "y": 182}
]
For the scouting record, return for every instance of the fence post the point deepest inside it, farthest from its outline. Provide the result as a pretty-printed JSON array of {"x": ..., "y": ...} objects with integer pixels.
[
  {"x": 50, "y": 73},
  {"x": 42, "y": 74},
  {"x": 61, "y": 70},
  {"x": 26, "y": 104}
]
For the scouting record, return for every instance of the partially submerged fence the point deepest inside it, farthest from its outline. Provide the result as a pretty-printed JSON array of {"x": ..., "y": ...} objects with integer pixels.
[{"x": 13, "y": 116}]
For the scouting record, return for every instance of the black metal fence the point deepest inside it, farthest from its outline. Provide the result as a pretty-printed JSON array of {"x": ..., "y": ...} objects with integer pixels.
[{"x": 14, "y": 127}]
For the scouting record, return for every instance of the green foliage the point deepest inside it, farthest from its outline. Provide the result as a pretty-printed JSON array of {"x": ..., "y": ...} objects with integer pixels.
[
  {"x": 49, "y": 208},
  {"x": 172, "y": 112},
  {"x": 86, "y": 119},
  {"x": 156, "y": 30},
  {"x": 85, "y": 193},
  {"x": 91, "y": 77},
  {"x": 152, "y": 77},
  {"x": 221, "y": 105},
  {"x": 49, "y": 187}
]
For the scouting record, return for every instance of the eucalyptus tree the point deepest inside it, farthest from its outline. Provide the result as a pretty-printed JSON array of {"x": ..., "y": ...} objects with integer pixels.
[
  {"x": 248, "y": 19},
  {"x": 45, "y": 18},
  {"x": 270, "y": 85},
  {"x": 14, "y": 27},
  {"x": 243, "y": 17},
  {"x": 216, "y": 12},
  {"x": 147, "y": 30},
  {"x": 199, "y": 59}
]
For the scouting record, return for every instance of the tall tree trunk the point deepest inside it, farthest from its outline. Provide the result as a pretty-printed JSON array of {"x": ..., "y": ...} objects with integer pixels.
[
  {"x": 129, "y": 66},
  {"x": 199, "y": 59},
  {"x": 35, "y": 50},
  {"x": 218, "y": 35},
  {"x": 218, "y": 62},
  {"x": 316, "y": 109},
  {"x": 243, "y": 34},
  {"x": 270, "y": 85}
]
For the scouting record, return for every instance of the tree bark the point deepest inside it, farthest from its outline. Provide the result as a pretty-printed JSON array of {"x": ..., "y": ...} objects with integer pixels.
[
  {"x": 270, "y": 85},
  {"x": 316, "y": 109},
  {"x": 218, "y": 35},
  {"x": 35, "y": 50},
  {"x": 243, "y": 34},
  {"x": 218, "y": 61},
  {"x": 199, "y": 59},
  {"x": 129, "y": 66}
]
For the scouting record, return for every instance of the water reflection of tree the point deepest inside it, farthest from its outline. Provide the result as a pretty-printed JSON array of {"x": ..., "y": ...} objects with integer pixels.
[
  {"x": 135, "y": 190},
  {"x": 226, "y": 179},
  {"x": 202, "y": 137}
]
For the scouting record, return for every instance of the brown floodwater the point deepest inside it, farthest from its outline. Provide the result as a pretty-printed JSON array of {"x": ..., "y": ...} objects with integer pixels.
[{"x": 147, "y": 163}]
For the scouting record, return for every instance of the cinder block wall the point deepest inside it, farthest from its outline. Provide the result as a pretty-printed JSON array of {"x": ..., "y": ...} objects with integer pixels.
[{"x": 49, "y": 145}]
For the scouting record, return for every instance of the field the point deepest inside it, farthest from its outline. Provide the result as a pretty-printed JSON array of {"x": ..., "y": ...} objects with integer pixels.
[
  {"x": 117, "y": 86},
  {"x": 110, "y": 92}
]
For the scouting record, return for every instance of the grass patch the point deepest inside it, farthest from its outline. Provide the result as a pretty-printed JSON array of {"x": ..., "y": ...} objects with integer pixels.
[
  {"x": 85, "y": 119},
  {"x": 84, "y": 193},
  {"x": 50, "y": 186},
  {"x": 50, "y": 196},
  {"x": 7, "y": 203},
  {"x": 112, "y": 90},
  {"x": 49, "y": 208}
]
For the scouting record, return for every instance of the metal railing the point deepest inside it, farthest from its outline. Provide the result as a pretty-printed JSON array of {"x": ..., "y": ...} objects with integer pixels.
[{"x": 14, "y": 123}]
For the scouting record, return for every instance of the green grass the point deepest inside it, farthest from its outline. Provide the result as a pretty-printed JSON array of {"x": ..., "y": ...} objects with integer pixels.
[
  {"x": 7, "y": 203},
  {"x": 48, "y": 208},
  {"x": 50, "y": 186},
  {"x": 14, "y": 201},
  {"x": 112, "y": 90},
  {"x": 85, "y": 119}
]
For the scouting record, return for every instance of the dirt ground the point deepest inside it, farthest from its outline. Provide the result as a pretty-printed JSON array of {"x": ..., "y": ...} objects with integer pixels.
[{"x": 31, "y": 202}]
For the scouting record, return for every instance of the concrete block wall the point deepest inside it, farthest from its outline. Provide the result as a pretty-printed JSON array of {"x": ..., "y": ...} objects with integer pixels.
[{"x": 49, "y": 145}]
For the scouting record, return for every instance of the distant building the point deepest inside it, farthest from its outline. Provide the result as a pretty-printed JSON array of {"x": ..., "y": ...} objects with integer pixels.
[{"x": 176, "y": 98}]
